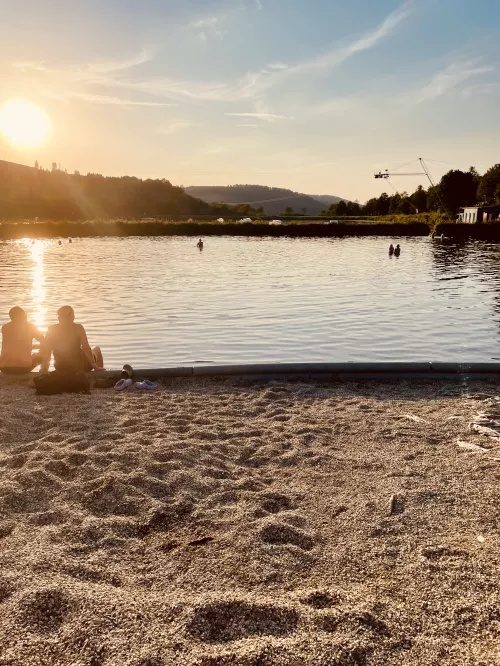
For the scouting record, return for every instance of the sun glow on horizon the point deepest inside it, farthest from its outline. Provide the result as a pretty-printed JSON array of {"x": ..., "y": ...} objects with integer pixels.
[{"x": 23, "y": 123}]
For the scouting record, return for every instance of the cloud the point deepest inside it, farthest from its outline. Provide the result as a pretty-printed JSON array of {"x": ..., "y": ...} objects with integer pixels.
[
  {"x": 208, "y": 22},
  {"x": 175, "y": 126},
  {"x": 118, "y": 74},
  {"x": 337, "y": 56},
  {"x": 335, "y": 106},
  {"x": 105, "y": 99},
  {"x": 449, "y": 78},
  {"x": 92, "y": 71},
  {"x": 261, "y": 116},
  {"x": 258, "y": 82},
  {"x": 481, "y": 89},
  {"x": 254, "y": 84},
  {"x": 259, "y": 5}
]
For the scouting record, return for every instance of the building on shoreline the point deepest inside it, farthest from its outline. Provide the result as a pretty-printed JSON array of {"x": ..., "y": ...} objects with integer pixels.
[{"x": 478, "y": 214}]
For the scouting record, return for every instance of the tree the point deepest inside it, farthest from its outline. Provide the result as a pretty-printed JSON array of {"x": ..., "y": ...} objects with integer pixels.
[
  {"x": 339, "y": 209},
  {"x": 488, "y": 186},
  {"x": 419, "y": 199},
  {"x": 37, "y": 166},
  {"x": 54, "y": 166},
  {"x": 289, "y": 211},
  {"x": 458, "y": 189}
]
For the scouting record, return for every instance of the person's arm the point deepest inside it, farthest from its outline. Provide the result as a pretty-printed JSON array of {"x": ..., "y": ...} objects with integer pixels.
[
  {"x": 86, "y": 347},
  {"x": 38, "y": 335},
  {"x": 46, "y": 352}
]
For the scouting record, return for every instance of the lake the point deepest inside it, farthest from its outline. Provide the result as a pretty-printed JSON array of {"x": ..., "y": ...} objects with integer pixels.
[{"x": 156, "y": 302}]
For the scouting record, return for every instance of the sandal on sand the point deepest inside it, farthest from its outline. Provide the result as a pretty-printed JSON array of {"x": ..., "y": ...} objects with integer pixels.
[
  {"x": 146, "y": 385},
  {"x": 127, "y": 372},
  {"x": 123, "y": 384}
]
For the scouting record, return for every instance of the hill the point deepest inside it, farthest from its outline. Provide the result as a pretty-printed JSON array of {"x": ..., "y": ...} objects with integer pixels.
[
  {"x": 273, "y": 200},
  {"x": 28, "y": 192},
  {"x": 327, "y": 199}
]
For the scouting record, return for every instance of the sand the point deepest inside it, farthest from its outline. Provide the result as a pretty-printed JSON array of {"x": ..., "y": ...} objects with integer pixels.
[{"x": 223, "y": 522}]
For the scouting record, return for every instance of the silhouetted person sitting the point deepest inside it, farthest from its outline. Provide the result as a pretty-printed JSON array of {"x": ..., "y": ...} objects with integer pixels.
[
  {"x": 68, "y": 343},
  {"x": 397, "y": 251},
  {"x": 391, "y": 250},
  {"x": 17, "y": 344}
]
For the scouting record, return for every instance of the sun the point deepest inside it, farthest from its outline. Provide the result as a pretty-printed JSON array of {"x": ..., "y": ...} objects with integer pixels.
[{"x": 23, "y": 124}]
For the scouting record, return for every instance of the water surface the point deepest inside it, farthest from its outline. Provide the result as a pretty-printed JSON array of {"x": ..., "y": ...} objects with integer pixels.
[{"x": 156, "y": 302}]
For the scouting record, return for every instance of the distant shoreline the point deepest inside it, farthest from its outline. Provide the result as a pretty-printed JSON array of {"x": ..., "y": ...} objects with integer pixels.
[{"x": 120, "y": 229}]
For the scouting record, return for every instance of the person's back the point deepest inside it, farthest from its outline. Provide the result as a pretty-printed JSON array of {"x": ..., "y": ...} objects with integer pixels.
[
  {"x": 391, "y": 250},
  {"x": 68, "y": 343},
  {"x": 17, "y": 343}
]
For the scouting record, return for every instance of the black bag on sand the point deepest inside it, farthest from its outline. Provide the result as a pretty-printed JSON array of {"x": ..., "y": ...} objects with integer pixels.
[{"x": 61, "y": 382}]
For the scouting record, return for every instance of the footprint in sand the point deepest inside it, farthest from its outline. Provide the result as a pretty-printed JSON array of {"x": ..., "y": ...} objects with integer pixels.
[
  {"x": 276, "y": 502},
  {"x": 278, "y": 534},
  {"x": 44, "y": 610},
  {"x": 221, "y": 622}
]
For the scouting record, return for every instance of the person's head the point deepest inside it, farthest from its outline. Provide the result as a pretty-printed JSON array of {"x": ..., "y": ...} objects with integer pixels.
[
  {"x": 18, "y": 315},
  {"x": 66, "y": 314},
  {"x": 397, "y": 245}
]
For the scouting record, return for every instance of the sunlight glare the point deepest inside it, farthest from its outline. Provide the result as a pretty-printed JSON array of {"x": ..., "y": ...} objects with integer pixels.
[
  {"x": 38, "y": 290},
  {"x": 24, "y": 124}
]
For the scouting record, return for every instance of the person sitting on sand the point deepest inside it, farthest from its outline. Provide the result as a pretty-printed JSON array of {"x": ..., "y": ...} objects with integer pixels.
[
  {"x": 391, "y": 250},
  {"x": 199, "y": 245},
  {"x": 68, "y": 343},
  {"x": 17, "y": 344},
  {"x": 397, "y": 251}
]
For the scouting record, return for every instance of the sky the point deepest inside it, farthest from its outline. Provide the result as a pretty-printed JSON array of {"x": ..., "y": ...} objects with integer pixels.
[{"x": 313, "y": 96}]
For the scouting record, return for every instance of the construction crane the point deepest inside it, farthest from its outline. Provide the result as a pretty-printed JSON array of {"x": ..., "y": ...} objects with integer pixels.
[{"x": 425, "y": 172}]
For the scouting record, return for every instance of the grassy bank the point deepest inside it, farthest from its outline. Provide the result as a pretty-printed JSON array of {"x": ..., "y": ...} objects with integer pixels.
[
  {"x": 487, "y": 231},
  {"x": 299, "y": 228},
  {"x": 11, "y": 230}
]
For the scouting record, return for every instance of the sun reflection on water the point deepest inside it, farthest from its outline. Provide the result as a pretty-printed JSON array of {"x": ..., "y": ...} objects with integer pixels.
[{"x": 37, "y": 249}]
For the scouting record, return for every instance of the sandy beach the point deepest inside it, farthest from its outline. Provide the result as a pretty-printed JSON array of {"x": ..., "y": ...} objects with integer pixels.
[{"x": 223, "y": 522}]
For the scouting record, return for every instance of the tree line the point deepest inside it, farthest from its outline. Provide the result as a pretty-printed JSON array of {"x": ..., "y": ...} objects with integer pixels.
[{"x": 455, "y": 190}]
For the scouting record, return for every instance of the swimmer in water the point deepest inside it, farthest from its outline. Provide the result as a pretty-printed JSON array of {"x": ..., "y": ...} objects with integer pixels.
[
  {"x": 199, "y": 245},
  {"x": 397, "y": 251},
  {"x": 391, "y": 250}
]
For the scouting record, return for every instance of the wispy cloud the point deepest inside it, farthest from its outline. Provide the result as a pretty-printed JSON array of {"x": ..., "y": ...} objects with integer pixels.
[
  {"x": 450, "y": 78},
  {"x": 258, "y": 82},
  {"x": 481, "y": 89},
  {"x": 175, "y": 126},
  {"x": 259, "y": 5},
  {"x": 337, "y": 56},
  {"x": 210, "y": 21},
  {"x": 208, "y": 25},
  {"x": 261, "y": 116},
  {"x": 119, "y": 74},
  {"x": 92, "y": 71},
  {"x": 106, "y": 99}
]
